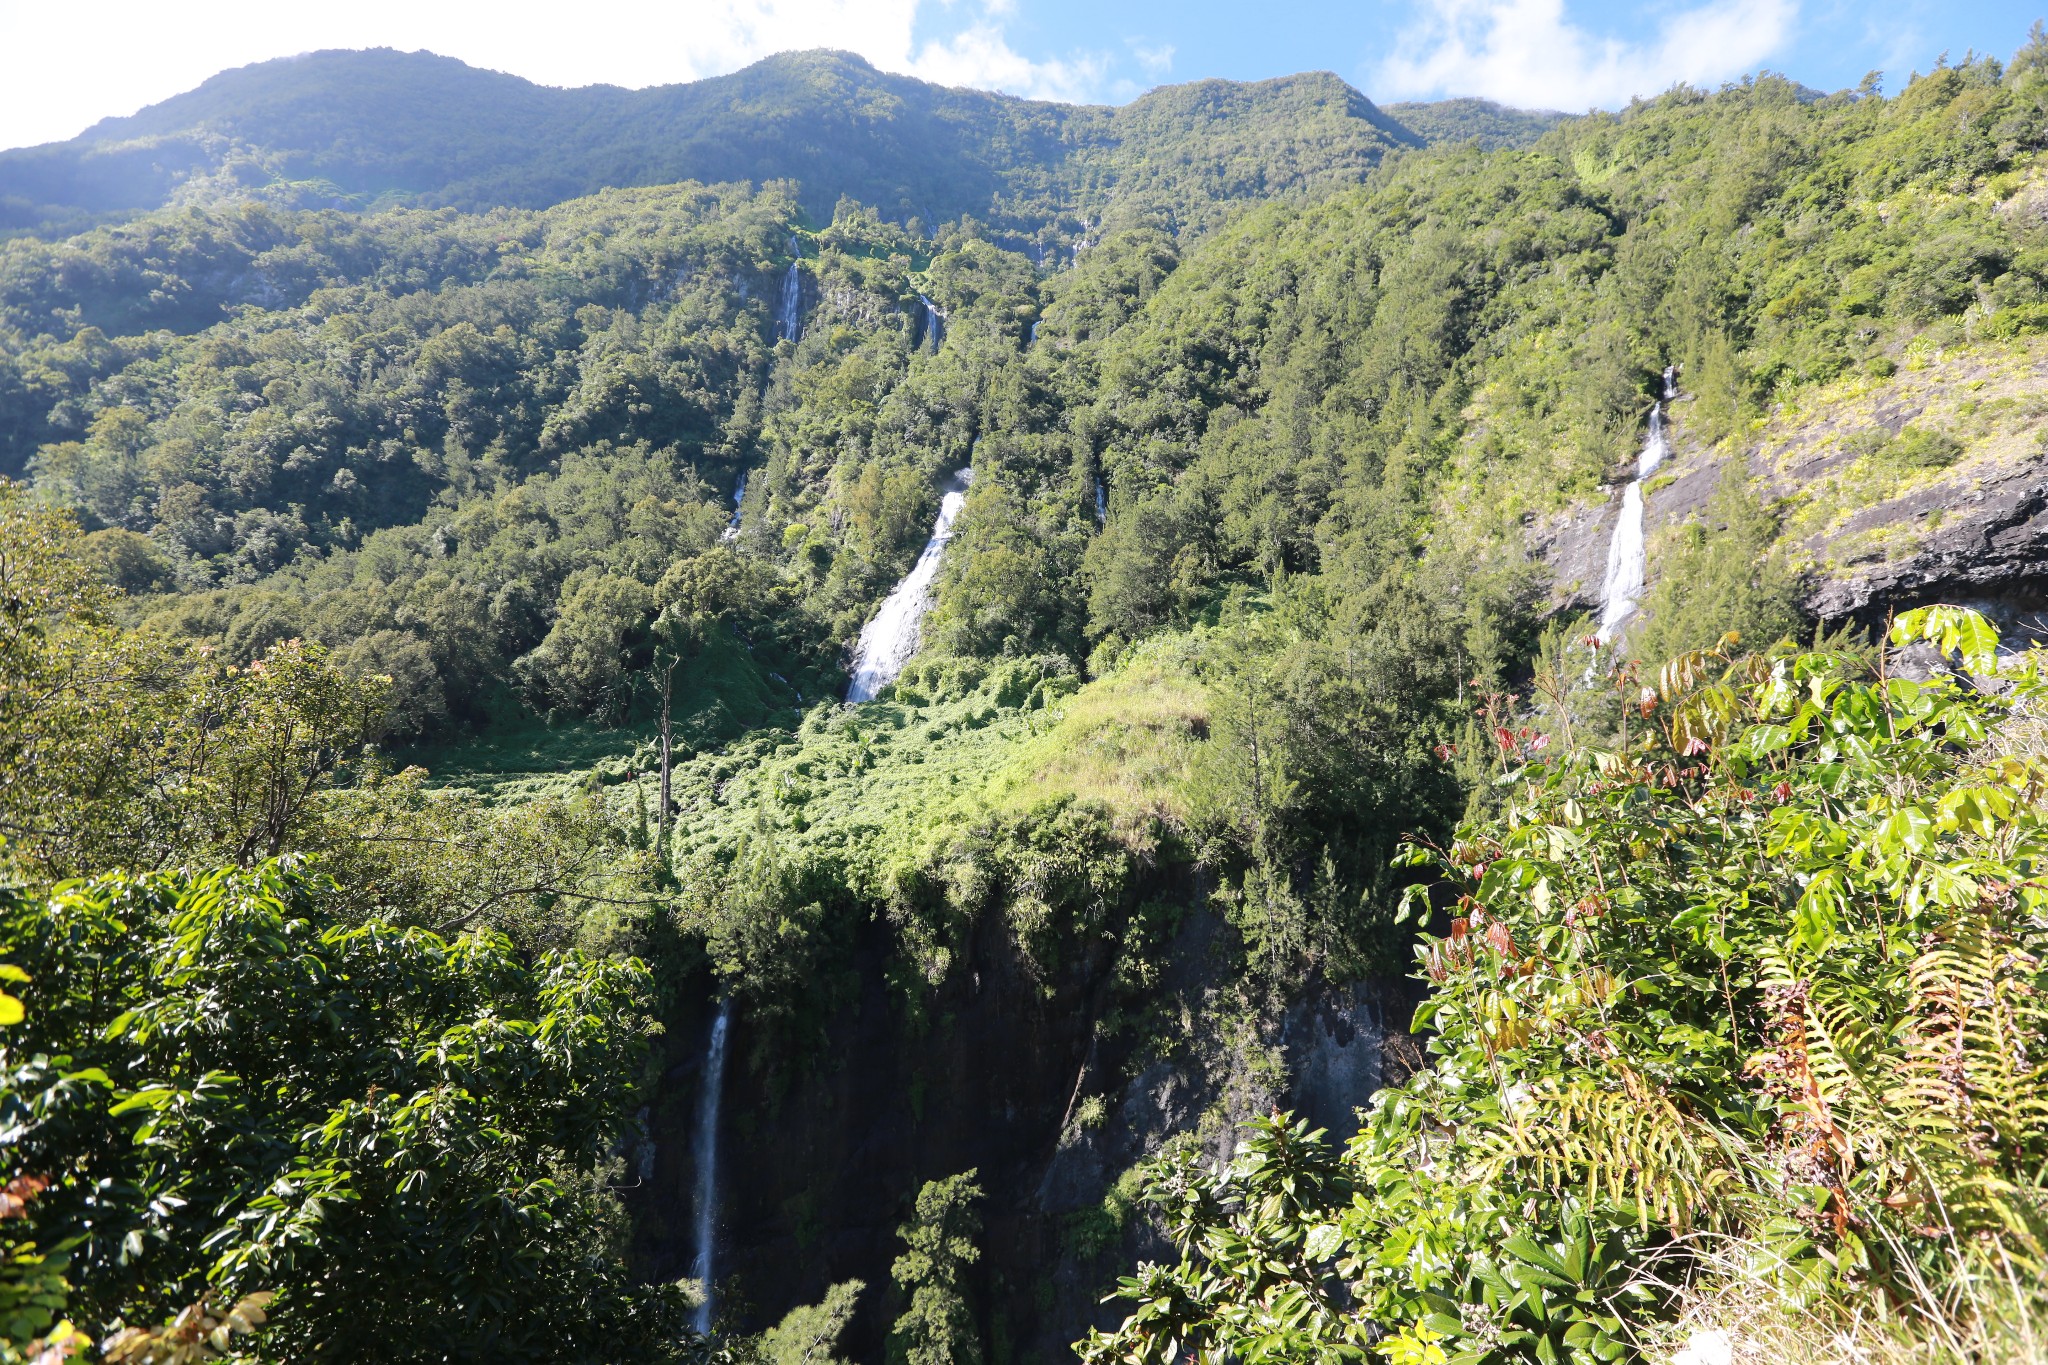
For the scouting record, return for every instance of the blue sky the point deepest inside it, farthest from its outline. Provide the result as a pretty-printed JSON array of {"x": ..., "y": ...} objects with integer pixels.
[
  {"x": 1567, "y": 54},
  {"x": 63, "y": 67}
]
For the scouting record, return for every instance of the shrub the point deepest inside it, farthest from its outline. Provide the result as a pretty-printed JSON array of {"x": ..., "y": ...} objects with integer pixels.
[
  {"x": 231, "y": 1091},
  {"x": 1765, "y": 965}
]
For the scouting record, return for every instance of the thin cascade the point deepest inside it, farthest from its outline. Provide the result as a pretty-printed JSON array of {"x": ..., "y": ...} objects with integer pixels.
[
  {"x": 739, "y": 497},
  {"x": 1101, "y": 504},
  {"x": 934, "y": 324},
  {"x": 789, "y": 313},
  {"x": 703, "y": 1264},
  {"x": 1622, "y": 593},
  {"x": 888, "y": 641}
]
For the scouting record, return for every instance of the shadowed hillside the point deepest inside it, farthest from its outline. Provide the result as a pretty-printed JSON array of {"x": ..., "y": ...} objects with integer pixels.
[{"x": 354, "y": 129}]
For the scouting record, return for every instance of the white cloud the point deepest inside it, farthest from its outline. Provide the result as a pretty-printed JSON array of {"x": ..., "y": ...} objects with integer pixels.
[
  {"x": 980, "y": 56},
  {"x": 1155, "y": 60},
  {"x": 63, "y": 67},
  {"x": 1529, "y": 53}
]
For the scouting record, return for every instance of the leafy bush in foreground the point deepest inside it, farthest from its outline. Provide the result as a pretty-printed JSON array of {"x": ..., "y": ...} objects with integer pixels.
[
  {"x": 1766, "y": 967},
  {"x": 229, "y": 1090}
]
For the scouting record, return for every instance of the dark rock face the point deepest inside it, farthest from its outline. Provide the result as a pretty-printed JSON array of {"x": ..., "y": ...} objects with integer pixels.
[
  {"x": 1989, "y": 548},
  {"x": 819, "y": 1168},
  {"x": 1572, "y": 545},
  {"x": 1009, "y": 1075},
  {"x": 1343, "y": 1044}
]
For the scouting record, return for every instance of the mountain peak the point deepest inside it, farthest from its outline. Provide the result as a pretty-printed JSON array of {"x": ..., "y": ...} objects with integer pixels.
[{"x": 379, "y": 125}]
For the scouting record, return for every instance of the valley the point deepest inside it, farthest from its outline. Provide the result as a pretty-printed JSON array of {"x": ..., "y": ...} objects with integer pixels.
[{"x": 809, "y": 716}]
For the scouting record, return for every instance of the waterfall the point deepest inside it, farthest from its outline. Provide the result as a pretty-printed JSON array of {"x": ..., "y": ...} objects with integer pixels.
[
  {"x": 888, "y": 641},
  {"x": 934, "y": 324},
  {"x": 1623, "y": 590},
  {"x": 1035, "y": 325},
  {"x": 706, "y": 1153},
  {"x": 1101, "y": 504},
  {"x": 789, "y": 313},
  {"x": 739, "y": 495}
]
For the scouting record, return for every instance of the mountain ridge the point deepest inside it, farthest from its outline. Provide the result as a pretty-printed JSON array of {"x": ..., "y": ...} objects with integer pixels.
[{"x": 364, "y": 128}]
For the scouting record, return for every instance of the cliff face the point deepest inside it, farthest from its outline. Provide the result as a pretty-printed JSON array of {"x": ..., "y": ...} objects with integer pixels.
[
  {"x": 1927, "y": 485},
  {"x": 1989, "y": 550},
  {"x": 1013, "y": 1077}
]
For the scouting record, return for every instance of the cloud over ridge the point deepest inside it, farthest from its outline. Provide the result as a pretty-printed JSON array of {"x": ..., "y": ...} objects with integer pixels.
[{"x": 1529, "y": 52}]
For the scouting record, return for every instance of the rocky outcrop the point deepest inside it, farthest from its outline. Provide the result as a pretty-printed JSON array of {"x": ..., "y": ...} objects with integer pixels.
[
  {"x": 1343, "y": 1043},
  {"x": 1871, "y": 534},
  {"x": 1010, "y": 1075},
  {"x": 1572, "y": 546},
  {"x": 1984, "y": 542}
]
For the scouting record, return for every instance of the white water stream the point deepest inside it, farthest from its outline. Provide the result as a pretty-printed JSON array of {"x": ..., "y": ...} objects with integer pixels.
[
  {"x": 789, "y": 312},
  {"x": 888, "y": 641},
  {"x": 934, "y": 324},
  {"x": 739, "y": 496},
  {"x": 703, "y": 1264},
  {"x": 1623, "y": 591}
]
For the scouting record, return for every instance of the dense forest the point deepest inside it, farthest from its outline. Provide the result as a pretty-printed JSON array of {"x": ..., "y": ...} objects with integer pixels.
[{"x": 452, "y": 913}]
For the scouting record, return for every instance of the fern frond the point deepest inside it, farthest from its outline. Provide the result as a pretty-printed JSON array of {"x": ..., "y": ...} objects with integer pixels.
[
  {"x": 1937, "y": 1102},
  {"x": 1633, "y": 1146}
]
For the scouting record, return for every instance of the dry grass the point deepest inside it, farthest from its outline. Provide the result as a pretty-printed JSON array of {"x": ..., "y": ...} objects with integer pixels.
[
  {"x": 1741, "y": 1313},
  {"x": 1987, "y": 396},
  {"x": 1126, "y": 742}
]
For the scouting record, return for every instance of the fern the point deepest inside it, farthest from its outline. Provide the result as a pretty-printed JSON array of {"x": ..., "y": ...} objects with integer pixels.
[
  {"x": 1941, "y": 1113},
  {"x": 1633, "y": 1147}
]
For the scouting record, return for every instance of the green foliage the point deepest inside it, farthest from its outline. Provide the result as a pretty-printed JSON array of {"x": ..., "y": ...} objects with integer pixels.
[
  {"x": 124, "y": 751},
  {"x": 937, "y": 1328},
  {"x": 1257, "y": 1276},
  {"x": 1720, "y": 573},
  {"x": 1319, "y": 759},
  {"x": 268, "y": 133},
  {"x": 1911, "y": 447},
  {"x": 1491, "y": 125},
  {"x": 199, "y": 1333},
  {"x": 807, "y": 1334},
  {"x": 230, "y": 1088},
  {"x": 482, "y": 442},
  {"x": 1260, "y": 421},
  {"x": 130, "y": 751},
  {"x": 33, "y": 1290},
  {"x": 1766, "y": 965}
]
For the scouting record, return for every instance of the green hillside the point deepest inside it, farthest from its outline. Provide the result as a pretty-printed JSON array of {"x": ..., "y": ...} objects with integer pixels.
[
  {"x": 363, "y": 129},
  {"x": 461, "y": 919}
]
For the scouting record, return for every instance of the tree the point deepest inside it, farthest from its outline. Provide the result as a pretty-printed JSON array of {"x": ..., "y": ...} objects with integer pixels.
[
  {"x": 404, "y": 1137},
  {"x": 938, "y": 1326},
  {"x": 584, "y": 660},
  {"x": 120, "y": 750},
  {"x": 551, "y": 872},
  {"x": 807, "y": 1334},
  {"x": 418, "y": 706},
  {"x": 1721, "y": 573}
]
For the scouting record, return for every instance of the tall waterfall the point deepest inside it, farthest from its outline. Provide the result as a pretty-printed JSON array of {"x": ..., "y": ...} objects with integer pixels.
[
  {"x": 1623, "y": 591},
  {"x": 739, "y": 497},
  {"x": 888, "y": 641},
  {"x": 1101, "y": 503},
  {"x": 703, "y": 1265},
  {"x": 789, "y": 312}
]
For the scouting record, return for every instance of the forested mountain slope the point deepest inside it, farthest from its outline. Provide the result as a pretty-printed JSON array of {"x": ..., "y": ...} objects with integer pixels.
[
  {"x": 1282, "y": 483},
  {"x": 376, "y": 128}
]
